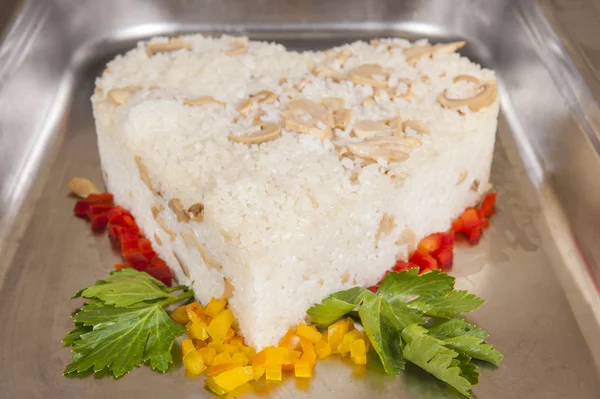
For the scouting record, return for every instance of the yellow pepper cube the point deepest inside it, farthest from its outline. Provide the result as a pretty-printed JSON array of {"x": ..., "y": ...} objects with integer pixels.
[
  {"x": 218, "y": 345},
  {"x": 193, "y": 363},
  {"x": 308, "y": 351},
  {"x": 237, "y": 341},
  {"x": 212, "y": 385},
  {"x": 273, "y": 372},
  {"x": 358, "y": 348},
  {"x": 231, "y": 349},
  {"x": 197, "y": 330},
  {"x": 217, "y": 329},
  {"x": 343, "y": 349},
  {"x": 322, "y": 349},
  {"x": 215, "y": 306},
  {"x": 180, "y": 315},
  {"x": 362, "y": 359},
  {"x": 240, "y": 359},
  {"x": 195, "y": 312},
  {"x": 187, "y": 346},
  {"x": 309, "y": 332},
  {"x": 335, "y": 334},
  {"x": 198, "y": 343},
  {"x": 223, "y": 357},
  {"x": 217, "y": 369},
  {"x": 295, "y": 355},
  {"x": 229, "y": 334},
  {"x": 259, "y": 371},
  {"x": 208, "y": 354},
  {"x": 231, "y": 379},
  {"x": 351, "y": 336},
  {"x": 290, "y": 340},
  {"x": 248, "y": 351},
  {"x": 272, "y": 355},
  {"x": 302, "y": 368}
]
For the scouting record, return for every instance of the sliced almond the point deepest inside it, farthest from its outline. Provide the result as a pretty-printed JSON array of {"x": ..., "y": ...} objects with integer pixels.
[
  {"x": 177, "y": 208},
  {"x": 182, "y": 265},
  {"x": 343, "y": 56},
  {"x": 305, "y": 106},
  {"x": 408, "y": 237},
  {"x": 300, "y": 86},
  {"x": 197, "y": 211},
  {"x": 368, "y": 101},
  {"x": 475, "y": 185},
  {"x": 386, "y": 226},
  {"x": 268, "y": 131},
  {"x": 82, "y": 187},
  {"x": 324, "y": 72},
  {"x": 415, "y": 53},
  {"x": 396, "y": 125},
  {"x": 263, "y": 96},
  {"x": 227, "y": 288},
  {"x": 157, "y": 239},
  {"x": 144, "y": 174},
  {"x": 365, "y": 129},
  {"x": 333, "y": 103},
  {"x": 156, "y": 210},
  {"x": 120, "y": 95},
  {"x": 484, "y": 98},
  {"x": 293, "y": 121},
  {"x": 366, "y": 74},
  {"x": 190, "y": 239},
  {"x": 202, "y": 100},
  {"x": 415, "y": 125},
  {"x": 466, "y": 78},
  {"x": 389, "y": 148},
  {"x": 238, "y": 47},
  {"x": 462, "y": 177},
  {"x": 345, "y": 277},
  {"x": 163, "y": 226},
  {"x": 167, "y": 47},
  {"x": 341, "y": 118}
]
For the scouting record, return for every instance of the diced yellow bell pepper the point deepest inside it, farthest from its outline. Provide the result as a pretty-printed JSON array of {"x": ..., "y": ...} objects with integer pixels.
[
  {"x": 351, "y": 336},
  {"x": 197, "y": 330},
  {"x": 186, "y": 346},
  {"x": 273, "y": 372},
  {"x": 358, "y": 351},
  {"x": 259, "y": 371},
  {"x": 295, "y": 355},
  {"x": 180, "y": 315},
  {"x": 195, "y": 312},
  {"x": 248, "y": 351},
  {"x": 218, "y": 345},
  {"x": 208, "y": 354},
  {"x": 308, "y": 351},
  {"x": 212, "y": 385},
  {"x": 231, "y": 379},
  {"x": 302, "y": 368},
  {"x": 240, "y": 359},
  {"x": 237, "y": 341},
  {"x": 215, "y": 306},
  {"x": 335, "y": 334},
  {"x": 217, "y": 369},
  {"x": 322, "y": 349},
  {"x": 231, "y": 349},
  {"x": 309, "y": 332},
  {"x": 343, "y": 349},
  {"x": 223, "y": 357},
  {"x": 290, "y": 340},
  {"x": 193, "y": 363},
  {"x": 217, "y": 329},
  {"x": 229, "y": 335},
  {"x": 198, "y": 343},
  {"x": 272, "y": 355}
]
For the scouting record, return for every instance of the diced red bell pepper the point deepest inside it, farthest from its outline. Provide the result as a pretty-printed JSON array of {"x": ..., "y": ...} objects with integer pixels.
[
  {"x": 99, "y": 221},
  {"x": 114, "y": 230},
  {"x": 485, "y": 222},
  {"x": 401, "y": 266},
  {"x": 161, "y": 273},
  {"x": 157, "y": 262},
  {"x": 457, "y": 226},
  {"x": 445, "y": 258},
  {"x": 119, "y": 266},
  {"x": 447, "y": 240},
  {"x": 116, "y": 214},
  {"x": 98, "y": 209},
  {"x": 474, "y": 235},
  {"x": 102, "y": 198},
  {"x": 146, "y": 248},
  {"x": 431, "y": 243},
  {"x": 373, "y": 289},
  {"x": 488, "y": 203},
  {"x": 128, "y": 221},
  {"x": 138, "y": 261},
  {"x": 470, "y": 219},
  {"x": 81, "y": 208},
  {"x": 423, "y": 260}
]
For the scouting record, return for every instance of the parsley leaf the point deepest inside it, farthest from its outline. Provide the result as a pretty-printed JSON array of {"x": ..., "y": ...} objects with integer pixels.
[
  {"x": 123, "y": 325},
  {"x": 427, "y": 353},
  {"x": 452, "y": 304},
  {"x": 403, "y": 286},
  {"x": 475, "y": 348},
  {"x": 337, "y": 305},
  {"x": 456, "y": 328},
  {"x": 468, "y": 370}
]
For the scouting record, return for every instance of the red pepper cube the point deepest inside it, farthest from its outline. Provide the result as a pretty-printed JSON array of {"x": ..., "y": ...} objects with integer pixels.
[
  {"x": 102, "y": 198},
  {"x": 485, "y": 223},
  {"x": 401, "y": 266},
  {"x": 445, "y": 257},
  {"x": 114, "y": 230},
  {"x": 373, "y": 289},
  {"x": 81, "y": 208},
  {"x": 447, "y": 241},
  {"x": 146, "y": 248},
  {"x": 474, "y": 235},
  {"x": 458, "y": 226},
  {"x": 431, "y": 243},
  {"x": 157, "y": 262},
  {"x": 99, "y": 221},
  {"x": 488, "y": 203},
  {"x": 98, "y": 209},
  {"x": 423, "y": 260},
  {"x": 470, "y": 219},
  {"x": 161, "y": 273},
  {"x": 119, "y": 266},
  {"x": 137, "y": 260},
  {"x": 116, "y": 214},
  {"x": 128, "y": 221}
]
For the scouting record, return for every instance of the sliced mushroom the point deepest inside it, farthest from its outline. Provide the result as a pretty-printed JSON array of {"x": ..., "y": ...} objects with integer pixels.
[
  {"x": 366, "y": 129},
  {"x": 366, "y": 74},
  {"x": 197, "y": 211},
  {"x": 82, "y": 187},
  {"x": 333, "y": 103},
  {"x": 341, "y": 118},
  {"x": 415, "y": 53},
  {"x": 202, "y": 100},
  {"x": 263, "y": 96},
  {"x": 389, "y": 148},
  {"x": 167, "y": 47},
  {"x": 415, "y": 125},
  {"x": 177, "y": 208},
  {"x": 268, "y": 131},
  {"x": 484, "y": 98},
  {"x": 120, "y": 95}
]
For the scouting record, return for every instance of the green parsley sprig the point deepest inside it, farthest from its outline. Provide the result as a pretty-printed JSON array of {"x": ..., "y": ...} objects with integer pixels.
[
  {"x": 124, "y": 324},
  {"x": 413, "y": 318}
]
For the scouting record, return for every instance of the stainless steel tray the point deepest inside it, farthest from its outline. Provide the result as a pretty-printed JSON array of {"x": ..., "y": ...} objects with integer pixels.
[{"x": 537, "y": 265}]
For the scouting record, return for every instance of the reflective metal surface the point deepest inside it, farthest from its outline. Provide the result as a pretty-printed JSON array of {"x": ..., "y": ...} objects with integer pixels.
[{"x": 536, "y": 265}]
